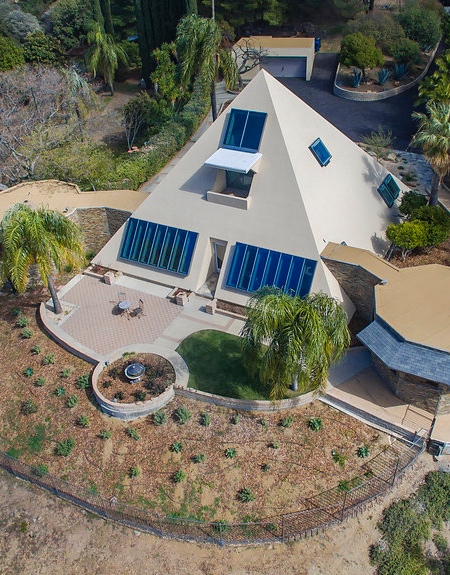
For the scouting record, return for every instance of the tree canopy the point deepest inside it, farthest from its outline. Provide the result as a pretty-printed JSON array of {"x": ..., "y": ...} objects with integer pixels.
[{"x": 360, "y": 51}]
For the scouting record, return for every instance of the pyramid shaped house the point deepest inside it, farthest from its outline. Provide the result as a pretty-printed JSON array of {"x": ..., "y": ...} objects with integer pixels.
[{"x": 255, "y": 201}]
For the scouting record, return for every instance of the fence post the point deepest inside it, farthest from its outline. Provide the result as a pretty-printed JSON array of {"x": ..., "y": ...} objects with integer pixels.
[
  {"x": 394, "y": 477},
  {"x": 343, "y": 506},
  {"x": 282, "y": 528}
]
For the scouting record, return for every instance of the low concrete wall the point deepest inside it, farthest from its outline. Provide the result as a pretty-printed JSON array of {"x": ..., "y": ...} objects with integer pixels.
[
  {"x": 373, "y": 96},
  {"x": 243, "y": 405}
]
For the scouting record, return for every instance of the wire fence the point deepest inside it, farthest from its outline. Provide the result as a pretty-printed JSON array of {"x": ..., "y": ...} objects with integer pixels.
[{"x": 320, "y": 511}]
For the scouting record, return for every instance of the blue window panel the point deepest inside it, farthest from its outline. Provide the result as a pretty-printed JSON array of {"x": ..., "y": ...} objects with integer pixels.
[
  {"x": 259, "y": 269},
  {"x": 308, "y": 276},
  {"x": 252, "y": 267},
  {"x": 248, "y": 262},
  {"x": 389, "y": 190},
  {"x": 320, "y": 152},
  {"x": 244, "y": 130},
  {"x": 157, "y": 245}
]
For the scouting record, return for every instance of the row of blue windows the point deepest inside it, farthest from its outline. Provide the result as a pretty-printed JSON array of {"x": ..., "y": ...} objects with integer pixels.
[
  {"x": 389, "y": 190},
  {"x": 160, "y": 246},
  {"x": 244, "y": 130},
  {"x": 252, "y": 268}
]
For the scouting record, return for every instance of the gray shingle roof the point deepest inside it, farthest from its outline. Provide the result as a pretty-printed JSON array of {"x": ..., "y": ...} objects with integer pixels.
[{"x": 401, "y": 355}]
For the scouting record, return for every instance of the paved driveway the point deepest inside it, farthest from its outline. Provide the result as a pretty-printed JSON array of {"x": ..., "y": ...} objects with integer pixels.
[{"x": 355, "y": 119}]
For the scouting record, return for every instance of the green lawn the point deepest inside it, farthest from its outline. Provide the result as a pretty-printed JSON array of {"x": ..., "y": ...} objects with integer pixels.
[{"x": 215, "y": 365}]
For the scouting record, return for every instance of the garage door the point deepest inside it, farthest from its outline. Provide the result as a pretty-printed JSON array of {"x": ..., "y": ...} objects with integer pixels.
[{"x": 285, "y": 67}]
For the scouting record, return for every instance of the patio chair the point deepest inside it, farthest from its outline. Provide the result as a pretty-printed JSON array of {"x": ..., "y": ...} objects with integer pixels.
[{"x": 139, "y": 311}]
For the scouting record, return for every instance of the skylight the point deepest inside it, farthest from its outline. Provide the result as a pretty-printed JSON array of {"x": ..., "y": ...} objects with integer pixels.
[
  {"x": 234, "y": 160},
  {"x": 159, "y": 246},
  {"x": 320, "y": 152},
  {"x": 244, "y": 130},
  {"x": 253, "y": 267},
  {"x": 389, "y": 190}
]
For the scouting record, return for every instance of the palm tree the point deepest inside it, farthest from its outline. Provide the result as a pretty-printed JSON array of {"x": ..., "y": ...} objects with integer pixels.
[
  {"x": 287, "y": 339},
  {"x": 433, "y": 136},
  {"x": 42, "y": 237},
  {"x": 104, "y": 55},
  {"x": 200, "y": 51}
]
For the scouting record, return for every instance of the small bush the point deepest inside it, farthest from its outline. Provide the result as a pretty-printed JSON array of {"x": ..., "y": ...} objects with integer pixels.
[
  {"x": 60, "y": 391},
  {"x": 230, "y": 453},
  {"x": 246, "y": 495},
  {"x": 159, "y": 417},
  {"x": 134, "y": 472},
  {"x": 36, "y": 349},
  {"x": 28, "y": 407},
  {"x": 132, "y": 432},
  {"x": 263, "y": 423},
  {"x": 182, "y": 415},
  {"x": 65, "y": 447},
  {"x": 26, "y": 333},
  {"x": 338, "y": 457},
  {"x": 176, "y": 447},
  {"x": 199, "y": 458},
  {"x": 40, "y": 470},
  {"x": 65, "y": 373},
  {"x": 205, "y": 419},
  {"x": 105, "y": 434},
  {"x": 287, "y": 421},
  {"x": 275, "y": 445},
  {"x": 28, "y": 371},
  {"x": 83, "y": 381},
  {"x": 83, "y": 421},
  {"x": 22, "y": 321},
  {"x": 179, "y": 476},
  {"x": 119, "y": 395},
  {"x": 72, "y": 401},
  {"x": 411, "y": 201},
  {"x": 315, "y": 423},
  {"x": 235, "y": 418},
  {"x": 48, "y": 359},
  {"x": 265, "y": 467},
  {"x": 140, "y": 395},
  {"x": 41, "y": 381},
  {"x": 363, "y": 451}
]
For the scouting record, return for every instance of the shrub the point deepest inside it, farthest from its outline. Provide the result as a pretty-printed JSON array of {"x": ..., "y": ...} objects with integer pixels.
[
  {"x": 36, "y": 349},
  {"x": 265, "y": 467},
  {"x": 28, "y": 371},
  {"x": 382, "y": 26},
  {"x": 221, "y": 526},
  {"x": 22, "y": 321},
  {"x": 263, "y": 423},
  {"x": 199, "y": 458},
  {"x": 421, "y": 25},
  {"x": 48, "y": 359},
  {"x": 338, "y": 457},
  {"x": 60, "y": 391},
  {"x": 11, "y": 54},
  {"x": 182, "y": 415},
  {"x": 230, "y": 453},
  {"x": 83, "y": 421},
  {"x": 72, "y": 401},
  {"x": 20, "y": 24},
  {"x": 407, "y": 236},
  {"x": 411, "y": 201},
  {"x": 132, "y": 432},
  {"x": 65, "y": 447},
  {"x": 26, "y": 333},
  {"x": 205, "y": 419},
  {"x": 65, "y": 373},
  {"x": 435, "y": 495},
  {"x": 287, "y": 421},
  {"x": 71, "y": 21},
  {"x": 28, "y": 407},
  {"x": 41, "y": 381},
  {"x": 379, "y": 140},
  {"x": 360, "y": 51},
  {"x": 40, "y": 48},
  {"x": 105, "y": 434},
  {"x": 438, "y": 223},
  {"x": 40, "y": 470},
  {"x": 275, "y": 445},
  {"x": 119, "y": 395},
  {"x": 315, "y": 423},
  {"x": 235, "y": 418},
  {"x": 179, "y": 476},
  {"x": 405, "y": 51},
  {"x": 246, "y": 495},
  {"x": 176, "y": 447},
  {"x": 140, "y": 395},
  {"x": 159, "y": 417},
  {"x": 83, "y": 381},
  {"x": 363, "y": 451},
  {"x": 134, "y": 472}
]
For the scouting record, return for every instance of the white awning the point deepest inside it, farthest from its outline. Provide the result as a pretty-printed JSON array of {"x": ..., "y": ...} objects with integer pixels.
[{"x": 233, "y": 160}]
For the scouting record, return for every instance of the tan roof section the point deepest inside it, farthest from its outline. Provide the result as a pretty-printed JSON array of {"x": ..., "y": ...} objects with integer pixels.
[
  {"x": 65, "y": 197},
  {"x": 363, "y": 258},
  {"x": 271, "y": 42},
  {"x": 415, "y": 303}
]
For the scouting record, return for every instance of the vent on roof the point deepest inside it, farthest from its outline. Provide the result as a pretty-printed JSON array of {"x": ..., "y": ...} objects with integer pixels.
[
  {"x": 253, "y": 267},
  {"x": 157, "y": 245},
  {"x": 320, "y": 152},
  {"x": 389, "y": 190},
  {"x": 244, "y": 130}
]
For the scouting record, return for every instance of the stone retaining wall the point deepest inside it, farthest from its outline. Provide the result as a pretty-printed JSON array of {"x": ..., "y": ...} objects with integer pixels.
[{"x": 98, "y": 224}]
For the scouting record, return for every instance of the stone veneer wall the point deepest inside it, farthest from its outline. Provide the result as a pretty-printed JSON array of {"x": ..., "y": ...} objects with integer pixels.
[
  {"x": 357, "y": 283},
  {"x": 427, "y": 395},
  {"x": 98, "y": 224}
]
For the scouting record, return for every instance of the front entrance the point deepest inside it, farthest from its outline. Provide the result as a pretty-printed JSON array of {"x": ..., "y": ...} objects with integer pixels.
[{"x": 219, "y": 255}]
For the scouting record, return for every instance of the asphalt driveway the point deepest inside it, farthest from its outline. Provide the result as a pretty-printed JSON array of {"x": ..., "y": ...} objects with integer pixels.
[{"x": 355, "y": 119}]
